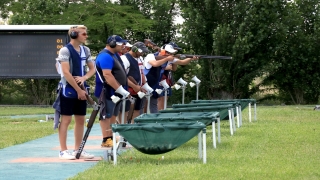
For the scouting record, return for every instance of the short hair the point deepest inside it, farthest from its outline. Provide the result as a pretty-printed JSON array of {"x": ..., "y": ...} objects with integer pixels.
[{"x": 75, "y": 28}]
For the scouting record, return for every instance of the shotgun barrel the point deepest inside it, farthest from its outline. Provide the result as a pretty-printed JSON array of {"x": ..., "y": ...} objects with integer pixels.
[{"x": 184, "y": 56}]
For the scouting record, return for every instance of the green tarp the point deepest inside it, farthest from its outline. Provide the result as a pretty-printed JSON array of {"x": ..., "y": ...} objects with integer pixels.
[
  {"x": 205, "y": 117},
  {"x": 244, "y": 102},
  {"x": 222, "y": 109},
  {"x": 192, "y": 105},
  {"x": 158, "y": 138}
]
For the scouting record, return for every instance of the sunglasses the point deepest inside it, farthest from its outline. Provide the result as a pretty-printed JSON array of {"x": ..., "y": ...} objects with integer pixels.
[{"x": 84, "y": 34}]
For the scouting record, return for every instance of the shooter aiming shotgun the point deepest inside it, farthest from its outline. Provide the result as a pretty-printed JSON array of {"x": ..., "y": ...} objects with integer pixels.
[{"x": 151, "y": 44}]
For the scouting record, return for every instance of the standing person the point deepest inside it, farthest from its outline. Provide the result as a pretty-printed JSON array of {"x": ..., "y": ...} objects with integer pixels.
[
  {"x": 72, "y": 60},
  {"x": 133, "y": 63},
  {"x": 154, "y": 70},
  {"x": 111, "y": 79},
  {"x": 150, "y": 44},
  {"x": 126, "y": 49},
  {"x": 168, "y": 75}
]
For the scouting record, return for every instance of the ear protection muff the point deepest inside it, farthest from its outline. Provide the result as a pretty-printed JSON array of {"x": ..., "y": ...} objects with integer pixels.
[
  {"x": 73, "y": 33},
  {"x": 134, "y": 49},
  {"x": 113, "y": 42}
]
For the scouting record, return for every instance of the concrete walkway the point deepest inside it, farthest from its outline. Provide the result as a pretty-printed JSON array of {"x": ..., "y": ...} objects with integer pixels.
[{"x": 38, "y": 159}]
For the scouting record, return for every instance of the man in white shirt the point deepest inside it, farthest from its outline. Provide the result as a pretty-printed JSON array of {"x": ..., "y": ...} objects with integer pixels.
[
  {"x": 167, "y": 75},
  {"x": 154, "y": 69},
  {"x": 133, "y": 64}
]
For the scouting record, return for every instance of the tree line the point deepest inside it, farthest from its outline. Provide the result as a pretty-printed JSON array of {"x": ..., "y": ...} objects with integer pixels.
[{"x": 274, "y": 43}]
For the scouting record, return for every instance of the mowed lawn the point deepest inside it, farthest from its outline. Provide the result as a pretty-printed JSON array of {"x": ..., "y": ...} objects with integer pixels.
[{"x": 283, "y": 144}]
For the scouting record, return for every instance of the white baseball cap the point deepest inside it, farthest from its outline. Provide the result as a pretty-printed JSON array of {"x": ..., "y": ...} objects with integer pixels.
[
  {"x": 128, "y": 45},
  {"x": 170, "y": 49}
]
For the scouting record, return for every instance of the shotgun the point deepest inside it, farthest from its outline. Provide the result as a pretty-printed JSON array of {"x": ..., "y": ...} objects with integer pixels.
[
  {"x": 92, "y": 118},
  {"x": 184, "y": 56}
]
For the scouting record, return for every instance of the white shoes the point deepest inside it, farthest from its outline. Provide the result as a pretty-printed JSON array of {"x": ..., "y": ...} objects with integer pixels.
[
  {"x": 66, "y": 155},
  {"x": 71, "y": 156},
  {"x": 84, "y": 154}
]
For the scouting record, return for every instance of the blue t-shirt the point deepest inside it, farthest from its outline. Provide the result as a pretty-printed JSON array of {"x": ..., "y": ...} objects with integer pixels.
[{"x": 104, "y": 61}]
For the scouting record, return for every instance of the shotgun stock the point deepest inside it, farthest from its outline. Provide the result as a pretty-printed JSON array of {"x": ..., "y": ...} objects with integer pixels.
[
  {"x": 89, "y": 99},
  {"x": 151, "y": 44}
]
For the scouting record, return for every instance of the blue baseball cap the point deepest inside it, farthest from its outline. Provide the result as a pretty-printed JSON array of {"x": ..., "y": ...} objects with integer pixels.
[
  {"x": 175, "y": 46},
  {"x": 117, "y": 38}
]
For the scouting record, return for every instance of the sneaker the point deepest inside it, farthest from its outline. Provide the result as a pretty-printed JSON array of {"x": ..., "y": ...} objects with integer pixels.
[
  {"x": 66, "y": 155},
  {"x": 108, "y": 143},
  {"x": 84, "y": 154}
]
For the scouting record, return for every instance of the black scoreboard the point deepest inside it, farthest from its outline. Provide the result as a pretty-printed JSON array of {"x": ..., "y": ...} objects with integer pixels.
[{"x": 31, "y": 52}]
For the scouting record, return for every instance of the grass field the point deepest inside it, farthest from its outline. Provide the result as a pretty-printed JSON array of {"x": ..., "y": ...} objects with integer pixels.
[
  {"x": 283, "y": 144},
  {"x": 17, "y": 130}
]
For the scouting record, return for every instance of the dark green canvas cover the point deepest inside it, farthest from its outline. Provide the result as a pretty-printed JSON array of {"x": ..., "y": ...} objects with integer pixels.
[
  {"x": 205, "y": 117},
  {"x": 244, "y": 102},
  {"x": 234, "y": 104},
  {"x": 158, "y": 138},
  {"x": 222, "y": 109},
  {"x": 203, "y": 103}
]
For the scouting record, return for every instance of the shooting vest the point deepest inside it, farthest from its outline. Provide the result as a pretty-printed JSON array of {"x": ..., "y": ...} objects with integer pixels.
[
  {"x": 134, "y": 70},
  {"x": 77, "y": 64},
  {"x": 154, "y": 75}
]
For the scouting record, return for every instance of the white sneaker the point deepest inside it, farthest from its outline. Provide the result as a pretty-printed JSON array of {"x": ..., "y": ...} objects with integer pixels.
[
  {"x": 84, "y": 154},
  {"x": 66, "y": 155}
]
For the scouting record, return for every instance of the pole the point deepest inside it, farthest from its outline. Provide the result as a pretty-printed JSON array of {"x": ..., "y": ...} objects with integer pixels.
[
  {"x": 165, "y": 99},
  {"x": 123, "y": 110},
  {"x": 183, "y": 88},
  {"x": 148, "y": 105},
  {"x": 197, "y": 91}
]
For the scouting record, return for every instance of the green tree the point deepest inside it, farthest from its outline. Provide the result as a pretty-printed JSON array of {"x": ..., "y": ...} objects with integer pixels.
[
  {"x": 162, "y": 13},
  {"x": 296, "y": 73},
  {"x": 249, "y": 31},
  {"x": 102, "y": 18}
]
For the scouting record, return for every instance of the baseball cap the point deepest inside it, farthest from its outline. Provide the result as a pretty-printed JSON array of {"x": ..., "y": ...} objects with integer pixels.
[
  {"x": 175, "y": 46},
  {"x": 170, "y": 49},
  {"x": 128, "y": 45},
  {"x": 142, "y": 48},
  {"x": 117, "y": 38}
]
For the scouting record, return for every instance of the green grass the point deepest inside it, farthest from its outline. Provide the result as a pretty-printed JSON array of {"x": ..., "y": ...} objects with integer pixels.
[
  {"x": 19, "y": 130},
  {"x": 19, "y": 110},
  {"x": 282, "y": 144}
]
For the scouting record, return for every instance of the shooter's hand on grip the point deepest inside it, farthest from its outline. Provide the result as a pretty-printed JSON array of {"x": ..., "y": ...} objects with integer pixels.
[
  {"x": 89, "y": 99},
  {"x": 123, "y": 92}
]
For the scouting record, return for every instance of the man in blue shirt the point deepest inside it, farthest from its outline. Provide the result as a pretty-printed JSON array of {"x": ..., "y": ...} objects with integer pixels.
[{"x": 111, "y": 79}]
